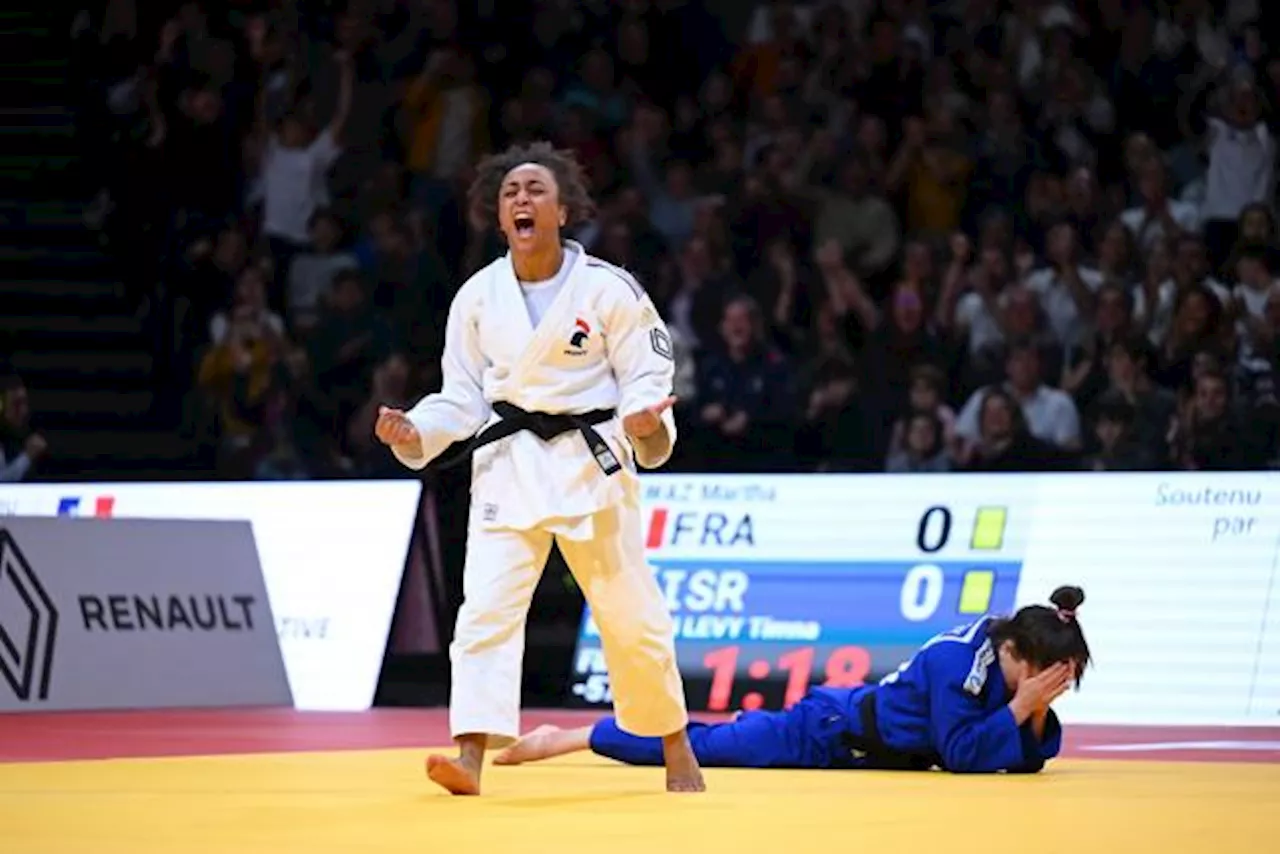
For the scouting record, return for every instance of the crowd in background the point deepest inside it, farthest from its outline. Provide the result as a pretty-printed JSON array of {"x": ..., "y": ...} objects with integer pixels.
[{"x": 886, "y": 234}]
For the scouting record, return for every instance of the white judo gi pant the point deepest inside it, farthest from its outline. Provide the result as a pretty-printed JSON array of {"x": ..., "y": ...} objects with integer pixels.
[{"x": 636, "y": 630}]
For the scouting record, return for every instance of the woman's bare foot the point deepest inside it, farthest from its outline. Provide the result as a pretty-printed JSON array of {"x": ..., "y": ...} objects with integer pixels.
[
  {"x": 453, "y": 775},
  {"x": 543, "y": 743},
  {"x": 683, "y": 772},
  {"x": 460, "y": 776}
]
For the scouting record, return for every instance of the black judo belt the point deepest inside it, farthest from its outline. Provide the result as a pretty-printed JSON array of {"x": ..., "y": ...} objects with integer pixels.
[
  {"x": 870, "y": 746},
  {"x": 546, "y": 427}
]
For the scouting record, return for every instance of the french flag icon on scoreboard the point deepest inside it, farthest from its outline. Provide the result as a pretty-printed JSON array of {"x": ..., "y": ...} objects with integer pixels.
[{"x": 104, "y": 506}]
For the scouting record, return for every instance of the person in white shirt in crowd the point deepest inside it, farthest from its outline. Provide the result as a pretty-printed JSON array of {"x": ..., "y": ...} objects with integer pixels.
[
  {"x": 292, "y": 182},
  {"x": 973, "y": 297},
  {"x": 248, "y": 304},
  {"x": 1050, "y": 413},
  {"x": 1159, "y": 216},
  {"x": 1242, "y": 157},
  {"x": 1257, "y": 286},
  {"x": 312, "y": 272},
  {"x": 1067, "y": 289}
]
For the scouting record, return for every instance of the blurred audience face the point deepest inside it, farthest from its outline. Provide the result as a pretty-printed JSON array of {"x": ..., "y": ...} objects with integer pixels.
[
  {"x": 1256, "y": 225},
  {"x": 773, "y": 112},
  {"x": 827, "y": 326},
  {"x": 1159, "y": 262},
  {"x": 246, "y": 326},
  {"x": 633, "y": 42},
  {"x": 1192, "y": 320},
  {"x": 294, "y": 133},
  {"x": 1151, "y": 182},
  {"x": 391, "y": 377},
  {"x": 251, "y": 290},
  {"x": 917, "y": 263},
  {"x": 922, "y": 435},
  {"x": 1252, "y": 273},
  {"x": 1111, "y": 316},
  {"x": 1114, "y": 248},
  {"x": 204, "y": 106},
  {"x": 872, "y": 135},
  {"x": 737, "y": 327},
  {"x": 1242, "y": 105},
  {"x": 1139, "y": 151},
  {"x": 924, "y": 396},
  {"x": 696, "y": 261},
  {"x": 679, "y": 180},
  {"x": 352, "y": 31},
  {"x": 1191, "y": 264},
  {"x": 1082, "y": 191},
  {"x": 382, "y": 229},
  {"x": 906, "y": 309},
  {"x": 231, "y": 251},
  {"x": 1109, "y": 432},
  {"x": 1062, "y": 244},
  {"x": 347, "y": 295},
  {"x": 1023, "y": 369},
  {"x": 1203, "y": 364},
  {"x": 995, "y": 264},
  {"x": 17, "y": 408},
  {"x": 996, "y": 232},
  {"x": 1122, "y": 370},
  {"x": 1021, "y": 310},
  {"x": 717, "y": 93},
  {"x": 326, "y": 231},
  {"x": 728, "y": 157},
  {"x": 1210, "y": 401},
  {"x": 996, "y": 421}
]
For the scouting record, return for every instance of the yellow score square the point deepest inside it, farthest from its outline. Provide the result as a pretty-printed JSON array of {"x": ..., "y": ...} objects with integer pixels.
[
  {"x": 988, "y": 528},
  {"x": 975, "y": 592}
]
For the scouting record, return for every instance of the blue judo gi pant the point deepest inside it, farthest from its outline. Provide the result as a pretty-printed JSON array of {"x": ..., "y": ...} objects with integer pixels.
[{"x": 811, "y": 734}]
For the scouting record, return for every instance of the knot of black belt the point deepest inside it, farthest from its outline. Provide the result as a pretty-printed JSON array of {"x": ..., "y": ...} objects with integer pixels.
[{"x": 546, "y": 426}]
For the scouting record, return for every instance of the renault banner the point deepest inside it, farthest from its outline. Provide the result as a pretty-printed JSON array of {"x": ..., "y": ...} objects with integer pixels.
[{"x": 134, "y": 614}]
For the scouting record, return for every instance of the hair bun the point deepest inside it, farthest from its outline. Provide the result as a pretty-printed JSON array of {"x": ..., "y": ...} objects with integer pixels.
[{"x": 1067, "y": 598}]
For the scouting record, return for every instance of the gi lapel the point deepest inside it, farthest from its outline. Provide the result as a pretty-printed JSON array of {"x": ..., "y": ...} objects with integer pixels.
[
  {"x": 508, "y": 302},
  {"x": 556, "y": 325}
]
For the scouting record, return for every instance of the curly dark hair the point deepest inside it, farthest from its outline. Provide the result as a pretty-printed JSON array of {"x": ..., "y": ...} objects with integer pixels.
[{"x": 571, "y": 180}]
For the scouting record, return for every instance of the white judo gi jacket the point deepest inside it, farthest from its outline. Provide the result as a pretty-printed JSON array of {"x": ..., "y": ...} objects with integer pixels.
[{"x": 600, "y": 345}]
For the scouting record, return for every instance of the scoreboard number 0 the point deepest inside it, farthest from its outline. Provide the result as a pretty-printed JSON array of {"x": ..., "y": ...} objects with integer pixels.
[
  {"x": 934, "y": 529},
  {"x": 921, "y": 592}
]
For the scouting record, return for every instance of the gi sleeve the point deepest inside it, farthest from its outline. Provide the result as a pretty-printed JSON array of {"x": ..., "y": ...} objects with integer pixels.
[
  {"x": 643, "y": 361},
  {"x": 971, "y": 739},
  {"x": 458, "y": 410},
  {"x": 1039, "y": 751}
]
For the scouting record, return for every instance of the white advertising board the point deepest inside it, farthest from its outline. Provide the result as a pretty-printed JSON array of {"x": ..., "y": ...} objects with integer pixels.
[{"x": 332, "y": 554}]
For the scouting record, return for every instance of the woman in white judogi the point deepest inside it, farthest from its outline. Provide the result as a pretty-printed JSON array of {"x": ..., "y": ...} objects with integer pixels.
[{"x": 561, "y": 364}]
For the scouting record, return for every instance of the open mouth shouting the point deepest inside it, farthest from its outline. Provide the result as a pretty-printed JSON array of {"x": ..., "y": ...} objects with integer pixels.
[{"x": 524, "y": 225}]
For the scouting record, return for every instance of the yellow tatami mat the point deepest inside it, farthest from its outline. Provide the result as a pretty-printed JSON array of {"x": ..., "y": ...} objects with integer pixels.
[{"x": 381, "y": 802}]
